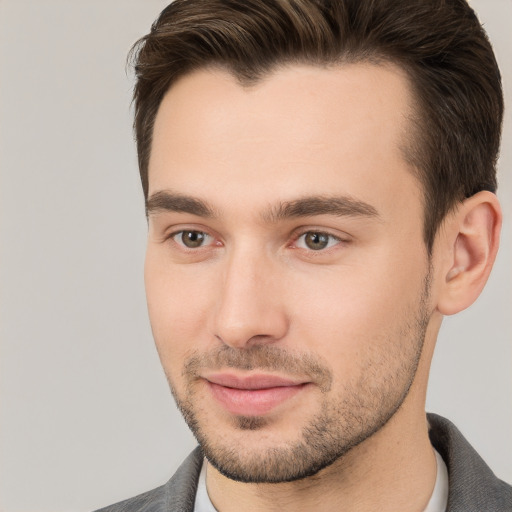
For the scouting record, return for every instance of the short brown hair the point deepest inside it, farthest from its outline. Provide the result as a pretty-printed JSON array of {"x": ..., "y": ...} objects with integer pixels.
[{"x": 439, "y": 43}]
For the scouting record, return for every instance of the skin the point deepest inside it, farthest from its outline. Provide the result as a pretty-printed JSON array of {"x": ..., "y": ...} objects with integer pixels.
[{"x": 355, "y": 321}]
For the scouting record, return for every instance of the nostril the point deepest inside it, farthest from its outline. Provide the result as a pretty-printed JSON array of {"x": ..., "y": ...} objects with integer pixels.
[{"x": 261, "y": 330}]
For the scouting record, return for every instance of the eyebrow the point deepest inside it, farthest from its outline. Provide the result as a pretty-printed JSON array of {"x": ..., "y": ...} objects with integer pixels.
[
  {"x": 339, "y": 206},
  {"x": 309, "y": 206},
  {"x": 173, "y": 202}
]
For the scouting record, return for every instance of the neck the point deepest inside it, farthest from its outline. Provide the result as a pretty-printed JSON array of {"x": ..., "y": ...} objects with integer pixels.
[{"x": 394, "y": 470}]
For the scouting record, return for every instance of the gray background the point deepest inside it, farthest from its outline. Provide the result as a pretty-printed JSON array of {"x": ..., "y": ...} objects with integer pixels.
[{"x": 86, "y": 415}]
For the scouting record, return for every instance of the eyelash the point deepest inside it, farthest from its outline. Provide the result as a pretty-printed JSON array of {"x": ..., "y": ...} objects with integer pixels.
[
  {"x": 175, "y": 234},
  {"x": 319, "y": 234}
]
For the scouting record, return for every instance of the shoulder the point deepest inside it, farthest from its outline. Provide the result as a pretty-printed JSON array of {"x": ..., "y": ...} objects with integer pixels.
[
  {"x": 178, "y": 494},
  {"x": 472, "y": 484},
  {"x": 151, "y": 501}
]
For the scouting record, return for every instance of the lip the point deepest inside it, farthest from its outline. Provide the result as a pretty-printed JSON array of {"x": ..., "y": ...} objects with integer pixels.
[
  {"x": 252, "y": 395},
  {"x": 251, "y": 382}
]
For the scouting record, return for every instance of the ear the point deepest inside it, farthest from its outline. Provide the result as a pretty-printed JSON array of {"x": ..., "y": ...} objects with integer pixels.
[{"x": 470, "y": 243}]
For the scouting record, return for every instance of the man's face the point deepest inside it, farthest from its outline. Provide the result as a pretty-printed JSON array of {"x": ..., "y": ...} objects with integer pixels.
[{"x": 286, "y": 274}]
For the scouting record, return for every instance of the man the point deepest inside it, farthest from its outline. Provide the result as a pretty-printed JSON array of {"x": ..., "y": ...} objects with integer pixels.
[{"x": 319, "y": 180}]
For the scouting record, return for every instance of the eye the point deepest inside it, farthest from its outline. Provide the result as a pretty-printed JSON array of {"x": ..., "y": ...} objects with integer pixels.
[
  {"x": 191, "y": 239},
  {"x": 316, "y": 241}
]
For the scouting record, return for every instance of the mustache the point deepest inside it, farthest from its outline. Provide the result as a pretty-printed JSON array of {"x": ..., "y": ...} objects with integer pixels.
[{"x": 260, "y": 357}]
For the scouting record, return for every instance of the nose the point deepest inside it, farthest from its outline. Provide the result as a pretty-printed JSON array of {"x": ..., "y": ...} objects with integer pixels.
[{"x": 250, "y": 308}]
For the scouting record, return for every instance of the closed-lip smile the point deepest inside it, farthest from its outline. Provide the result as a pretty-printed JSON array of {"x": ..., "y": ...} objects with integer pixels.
[{"x": 253, "y": 394}]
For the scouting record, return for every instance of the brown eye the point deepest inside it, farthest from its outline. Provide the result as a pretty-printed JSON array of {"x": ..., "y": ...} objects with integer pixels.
[
  {"x": 316, "y": 241},
  {"x": 191, "y": 239}
]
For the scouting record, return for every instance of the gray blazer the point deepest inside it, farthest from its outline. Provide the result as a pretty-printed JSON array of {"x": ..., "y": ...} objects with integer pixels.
[{"x": 473, "y": 486}]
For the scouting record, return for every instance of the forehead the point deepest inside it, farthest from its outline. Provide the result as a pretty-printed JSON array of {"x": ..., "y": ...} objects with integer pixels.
[{"x": 301, "y": 129}]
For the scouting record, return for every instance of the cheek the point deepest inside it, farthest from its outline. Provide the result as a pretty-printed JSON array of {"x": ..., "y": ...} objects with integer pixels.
[
  {"x": 178, "y": 301},
  {"x": 355, "y": 311}
]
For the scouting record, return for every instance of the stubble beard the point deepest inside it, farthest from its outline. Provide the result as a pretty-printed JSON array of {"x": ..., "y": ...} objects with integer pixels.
[{"x": 361, "y": 409}]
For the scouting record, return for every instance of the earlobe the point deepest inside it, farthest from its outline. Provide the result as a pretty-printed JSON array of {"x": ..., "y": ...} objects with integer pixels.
[{"x": 472, "y": 243}]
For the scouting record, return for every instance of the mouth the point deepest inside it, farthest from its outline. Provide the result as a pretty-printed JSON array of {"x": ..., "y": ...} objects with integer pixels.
[{"x": 252, "y": 395}]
